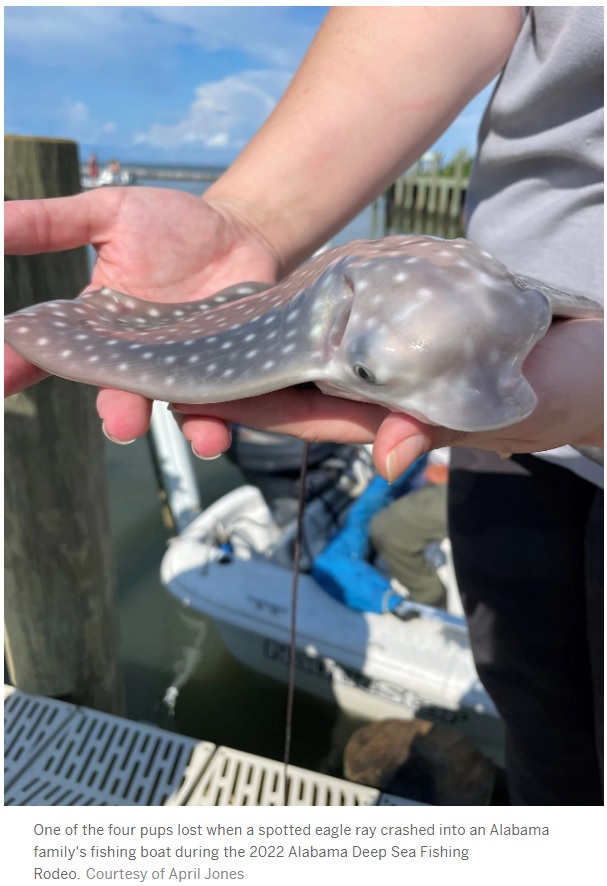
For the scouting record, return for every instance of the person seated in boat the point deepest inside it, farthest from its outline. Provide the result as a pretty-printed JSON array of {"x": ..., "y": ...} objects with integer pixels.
[
  {"x": 401, "y": 533},
  {"x": 114, "y": 168}
]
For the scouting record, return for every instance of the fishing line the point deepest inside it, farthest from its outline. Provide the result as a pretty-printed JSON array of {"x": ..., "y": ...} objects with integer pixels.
[{"x": 294, "y": 588}]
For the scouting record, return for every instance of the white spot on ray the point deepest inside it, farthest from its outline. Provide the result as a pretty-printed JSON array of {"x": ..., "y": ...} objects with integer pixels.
[
  {"x": 66, "y": 353},
  {"x": 42, "y": 341}
]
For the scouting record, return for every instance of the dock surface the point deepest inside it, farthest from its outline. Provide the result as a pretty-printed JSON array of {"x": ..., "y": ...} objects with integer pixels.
[{"x": 59, "y": 754}]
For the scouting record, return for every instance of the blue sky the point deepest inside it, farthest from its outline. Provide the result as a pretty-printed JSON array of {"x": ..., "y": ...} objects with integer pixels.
[{"x": 184, "y": 84}]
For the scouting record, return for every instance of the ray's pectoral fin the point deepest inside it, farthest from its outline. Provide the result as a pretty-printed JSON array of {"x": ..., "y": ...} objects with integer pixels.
[{"x": 483, "y": 402}]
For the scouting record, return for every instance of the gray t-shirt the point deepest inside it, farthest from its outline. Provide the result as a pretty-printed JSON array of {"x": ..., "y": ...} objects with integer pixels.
[{"x": 535, "y": 199}]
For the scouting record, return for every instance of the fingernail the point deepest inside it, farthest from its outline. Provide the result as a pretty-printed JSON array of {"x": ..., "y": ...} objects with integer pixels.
[
  {"x": 114, "y": 440},
  {"x": 205, "y": 457},
  {"x": 402, "y": 456}
]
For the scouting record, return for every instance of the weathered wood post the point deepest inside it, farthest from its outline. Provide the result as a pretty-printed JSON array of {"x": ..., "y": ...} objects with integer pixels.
[{"x": 60, "y": 621}]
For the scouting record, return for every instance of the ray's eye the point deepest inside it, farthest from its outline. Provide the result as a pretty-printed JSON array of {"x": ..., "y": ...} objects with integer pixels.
[{"x": 364, "y": 373}]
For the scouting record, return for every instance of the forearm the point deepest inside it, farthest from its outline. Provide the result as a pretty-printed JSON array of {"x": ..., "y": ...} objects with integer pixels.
[{"x": 375, "y": 90}]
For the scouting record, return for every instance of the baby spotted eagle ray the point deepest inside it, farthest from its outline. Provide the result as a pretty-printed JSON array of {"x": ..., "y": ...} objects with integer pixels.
[{"x": 435, "y": 328}]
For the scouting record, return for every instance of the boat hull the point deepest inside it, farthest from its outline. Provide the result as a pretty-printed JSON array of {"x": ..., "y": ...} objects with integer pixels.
[{"x": 373, "y": 666}]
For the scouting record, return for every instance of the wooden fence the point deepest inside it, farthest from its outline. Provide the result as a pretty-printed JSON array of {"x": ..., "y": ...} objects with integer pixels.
[{"x": 422, "y": 200}]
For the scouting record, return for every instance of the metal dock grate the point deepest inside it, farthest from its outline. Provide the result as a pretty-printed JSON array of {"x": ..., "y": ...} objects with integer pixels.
[
  {"x": 57, "y": 754},
  {"x": 90, "y": 759},
  {"x": 235, "y": 778}
]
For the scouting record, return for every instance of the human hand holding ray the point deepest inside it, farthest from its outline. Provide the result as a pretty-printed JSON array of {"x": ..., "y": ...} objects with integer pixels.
[
  {"x": 180, "y": 269},
  {"x": 159, "y": 245}
]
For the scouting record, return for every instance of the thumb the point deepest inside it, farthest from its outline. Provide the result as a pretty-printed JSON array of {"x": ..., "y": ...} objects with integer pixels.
[
  {"x": 18, "y": 373},
  {"x": 35, "y": 226},
  {"x": 401, "y": 440}
]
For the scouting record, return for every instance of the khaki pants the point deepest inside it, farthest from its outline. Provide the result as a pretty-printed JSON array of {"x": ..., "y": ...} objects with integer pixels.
[{"x": 401, "y": 532}]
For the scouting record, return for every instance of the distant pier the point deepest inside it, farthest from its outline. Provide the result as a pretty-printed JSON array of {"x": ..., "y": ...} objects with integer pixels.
[{"x": 166, "y": 173}]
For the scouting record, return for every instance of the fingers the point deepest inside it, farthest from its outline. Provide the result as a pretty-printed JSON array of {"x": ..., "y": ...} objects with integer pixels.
[
  {"x": 18, "y": 373},
  {"x": 125, "y": 416},
  {"x": 34, "y": 226},
  {"x": 401, "y": 440},
  {"x": 209, "y": 437},
  {"x": 311, "y": 415},
  {"x": 304, "y": 413}
]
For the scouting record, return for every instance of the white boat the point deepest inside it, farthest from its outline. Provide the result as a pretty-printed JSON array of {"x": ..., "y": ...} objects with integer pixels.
[
  {"x": 231, "y": 564},
  {"x": 107, "y": 178}
]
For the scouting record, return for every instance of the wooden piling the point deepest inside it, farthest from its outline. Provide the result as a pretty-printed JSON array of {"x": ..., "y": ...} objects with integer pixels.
[{"x": 60, "y": 621}]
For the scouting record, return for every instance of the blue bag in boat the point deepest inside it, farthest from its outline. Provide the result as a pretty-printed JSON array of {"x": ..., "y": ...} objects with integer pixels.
[{"x": 342, "y": 568}]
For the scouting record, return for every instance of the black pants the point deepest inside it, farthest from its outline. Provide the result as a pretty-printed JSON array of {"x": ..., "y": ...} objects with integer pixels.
[{"x": 527, "y": 541}]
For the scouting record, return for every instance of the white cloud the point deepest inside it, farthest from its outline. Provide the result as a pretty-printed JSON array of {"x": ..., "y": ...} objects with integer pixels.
[
  {"x": 268, "y": 33},
  {"x": 224, "y": 114},
  {"x": 62, "y": 35},
  {"x": 79, "y": 124}
]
